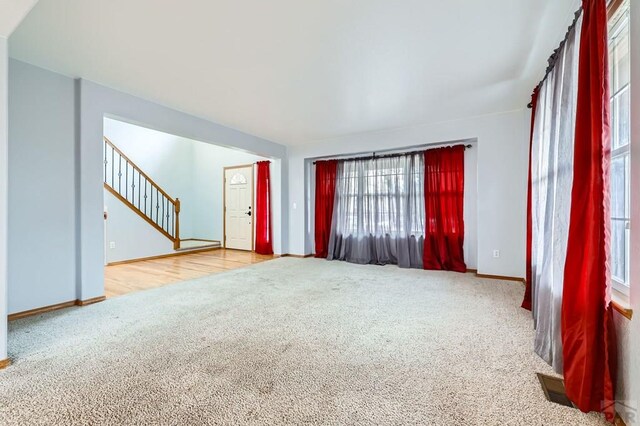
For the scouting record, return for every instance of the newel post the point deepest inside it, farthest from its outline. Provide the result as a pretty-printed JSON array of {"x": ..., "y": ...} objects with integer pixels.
[{"x": 176, "y": 240}]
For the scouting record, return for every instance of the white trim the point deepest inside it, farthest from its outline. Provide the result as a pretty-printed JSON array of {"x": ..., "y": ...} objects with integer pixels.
[{"x": 620, "y": 291}]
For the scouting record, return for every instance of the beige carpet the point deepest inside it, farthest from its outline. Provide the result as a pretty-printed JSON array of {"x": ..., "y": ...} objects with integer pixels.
[{"x": 289, "y": 341}]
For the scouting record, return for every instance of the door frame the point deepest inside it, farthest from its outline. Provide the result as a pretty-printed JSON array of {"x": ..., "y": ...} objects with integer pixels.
[{"x": 224, "y": 203}]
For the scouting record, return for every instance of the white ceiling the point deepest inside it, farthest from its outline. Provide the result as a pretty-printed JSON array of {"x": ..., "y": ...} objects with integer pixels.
[
  {"x": 11, "y": 14},
  {"x": 299, "y": 71}
]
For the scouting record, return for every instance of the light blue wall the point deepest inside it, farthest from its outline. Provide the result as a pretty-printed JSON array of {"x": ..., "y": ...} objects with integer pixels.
[
  {"x": 42, "y": 249},
  {"x": 185, "y": 168},
  {"x": 4, "y": 77},
  {"x": 96, "y": 102},
  {"x": 208, "y": 164},
  {"x": 165, "y": 158},
  {"x": 56, "y": 233},
  {"x": 133, "y": 237}
]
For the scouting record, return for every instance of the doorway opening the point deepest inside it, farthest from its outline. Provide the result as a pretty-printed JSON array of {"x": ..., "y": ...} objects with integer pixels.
[{"x": 169, "y": 213}]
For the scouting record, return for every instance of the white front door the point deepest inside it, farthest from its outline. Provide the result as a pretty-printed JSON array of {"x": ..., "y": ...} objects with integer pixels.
[{"x": 238, "y": 207}]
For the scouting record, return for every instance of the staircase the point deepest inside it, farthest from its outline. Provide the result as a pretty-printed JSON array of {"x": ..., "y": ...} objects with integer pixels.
[{"x": 129, "y": 184}]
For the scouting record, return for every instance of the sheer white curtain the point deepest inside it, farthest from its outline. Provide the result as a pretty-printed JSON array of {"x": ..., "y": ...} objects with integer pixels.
[
  {"x": 552, "y": 180},
  {"x": 378, "y": 214}
]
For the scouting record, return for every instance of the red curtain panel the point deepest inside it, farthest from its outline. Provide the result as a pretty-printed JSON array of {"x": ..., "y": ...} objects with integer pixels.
[
  {"x": 526, "y": 303},
  {"x": 264, "y": 244},
  {"x": 588, "y": 336},
  {"x": 444, "y": 199},
  {"x": 325, "y": 194}
]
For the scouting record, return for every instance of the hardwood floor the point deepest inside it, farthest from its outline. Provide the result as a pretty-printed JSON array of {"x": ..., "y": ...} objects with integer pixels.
[{"x": 136, "y": 276}]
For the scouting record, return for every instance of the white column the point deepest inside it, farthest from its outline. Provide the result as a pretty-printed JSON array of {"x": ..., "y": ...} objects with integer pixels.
[{"x": 4, "y": 142}]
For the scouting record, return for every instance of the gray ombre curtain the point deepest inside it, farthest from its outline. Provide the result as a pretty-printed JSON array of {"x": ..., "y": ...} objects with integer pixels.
[
  {"x": 551, "y": 183},
  {"x": 378, "y": 215}
]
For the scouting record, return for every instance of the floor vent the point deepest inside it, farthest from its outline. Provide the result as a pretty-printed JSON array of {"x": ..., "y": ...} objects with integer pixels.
[{"x": 553, "y": 388}]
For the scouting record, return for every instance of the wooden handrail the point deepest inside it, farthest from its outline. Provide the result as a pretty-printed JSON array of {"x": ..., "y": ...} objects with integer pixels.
[
  {"x": 148, "y": 208},
  {"x": 135, "y": 166}
]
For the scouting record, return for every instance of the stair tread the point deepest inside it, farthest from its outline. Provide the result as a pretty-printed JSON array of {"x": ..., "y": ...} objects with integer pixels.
[{"x": 192, "y": 244}]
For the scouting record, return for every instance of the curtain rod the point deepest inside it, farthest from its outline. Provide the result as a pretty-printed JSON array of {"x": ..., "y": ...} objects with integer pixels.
[
  {"x": 554, "y": 56},
  {"x": 395, "y": 154}
]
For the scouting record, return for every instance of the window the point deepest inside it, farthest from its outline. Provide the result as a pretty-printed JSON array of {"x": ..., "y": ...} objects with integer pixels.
[
  {"x": 238, "y": 179},
  {"x": 619, "y": 78},
  {"x": 381, "y": 197}
]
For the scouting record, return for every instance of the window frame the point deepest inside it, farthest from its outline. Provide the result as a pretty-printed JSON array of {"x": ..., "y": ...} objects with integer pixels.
[{"x": 618, "y": 10}]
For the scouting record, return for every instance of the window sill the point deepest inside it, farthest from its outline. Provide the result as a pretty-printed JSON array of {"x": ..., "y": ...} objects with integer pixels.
[
  {"x": 620, "y": 299},
  {"x": 623, "y": 308}
]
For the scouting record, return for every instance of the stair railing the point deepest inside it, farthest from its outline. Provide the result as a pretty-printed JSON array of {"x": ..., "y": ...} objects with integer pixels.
[{"x": 127, "y": 182}]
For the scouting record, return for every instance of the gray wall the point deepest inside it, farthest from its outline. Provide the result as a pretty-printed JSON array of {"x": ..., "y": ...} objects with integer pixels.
[{"x": 41, "y": 188}]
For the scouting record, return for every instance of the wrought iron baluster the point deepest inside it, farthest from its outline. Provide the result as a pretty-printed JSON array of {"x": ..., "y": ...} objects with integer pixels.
[
  {"x": 133, "y": 186},
  {"x": 145, "y": 196},
  {"x": 113, "y": 164},
  {"x": 157, "y": 205},
  {"x": 139, "y": 189},
  {"x": 166, "y": 209},
  {"x": 105, "y": 162},
  {"x": 168, "y": 222},
  {"x": 119, "y": 174},
  {"x": 126, "y": 180}
]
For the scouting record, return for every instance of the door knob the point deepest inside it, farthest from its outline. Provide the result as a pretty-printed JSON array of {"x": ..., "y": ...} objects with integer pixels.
[{"x": 248, "y": 213}]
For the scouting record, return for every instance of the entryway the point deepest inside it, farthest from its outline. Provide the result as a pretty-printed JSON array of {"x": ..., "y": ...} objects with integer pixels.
[{"x": 171, "y": 203}]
